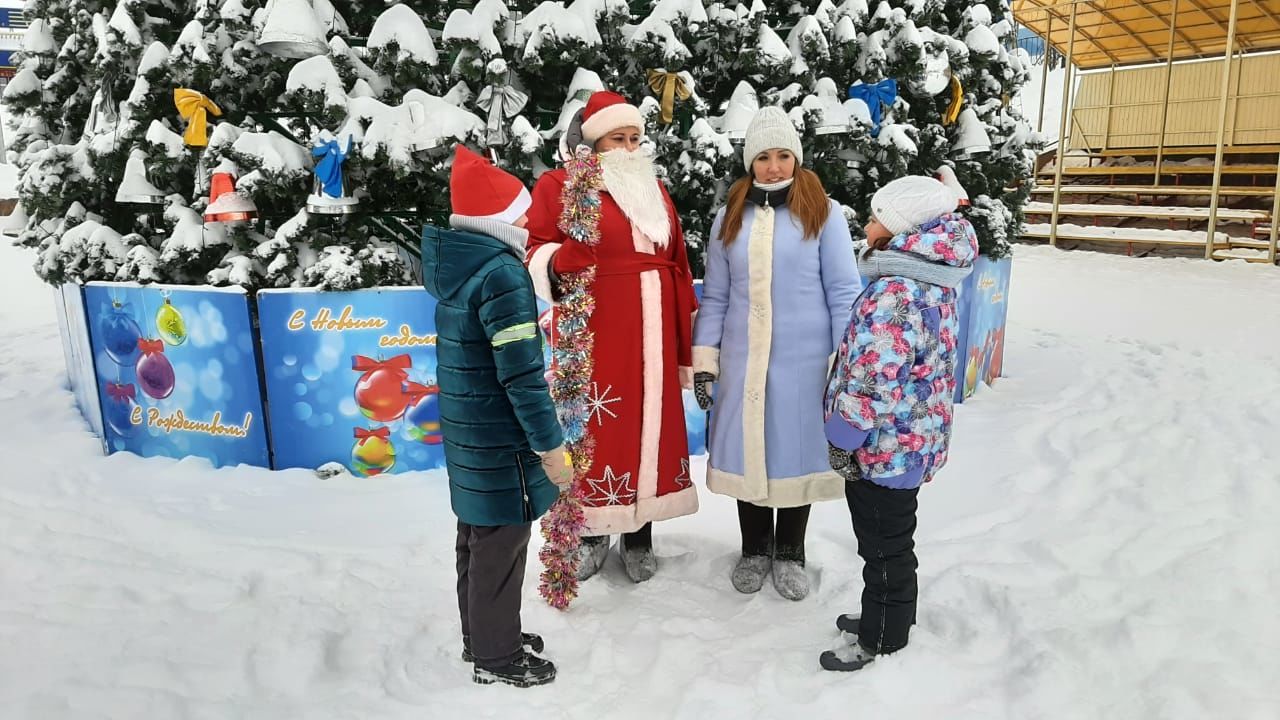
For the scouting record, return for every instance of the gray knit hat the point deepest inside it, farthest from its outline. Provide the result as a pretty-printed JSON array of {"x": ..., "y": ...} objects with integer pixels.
[
  {"x": 771, "y": 128},
  {"x": 910, "y": 202}
]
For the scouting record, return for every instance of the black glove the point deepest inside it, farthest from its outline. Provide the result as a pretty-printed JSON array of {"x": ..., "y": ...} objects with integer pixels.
[
  {"x": 702, "y": 389},
  {"x": 843, "y": 462}
]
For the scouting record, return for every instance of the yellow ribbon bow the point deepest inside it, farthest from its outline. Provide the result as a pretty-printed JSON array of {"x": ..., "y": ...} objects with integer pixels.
[
  {"x": 957, "y": 100},
  {"x": 194, "y": 107},
  {"x": 669, "y": 86}
]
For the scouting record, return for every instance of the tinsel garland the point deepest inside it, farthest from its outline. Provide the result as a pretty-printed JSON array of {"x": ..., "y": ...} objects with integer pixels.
[{"x": 572, "y": 360}]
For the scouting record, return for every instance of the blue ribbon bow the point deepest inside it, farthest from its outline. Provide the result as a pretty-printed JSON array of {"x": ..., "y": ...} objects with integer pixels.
[
  {"x": 329, "y": 166},
  {"x": 876, "y": 96}
]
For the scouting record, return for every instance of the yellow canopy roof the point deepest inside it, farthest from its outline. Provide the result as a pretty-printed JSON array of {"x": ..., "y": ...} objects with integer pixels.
[{"x": 1127, "y": 32}]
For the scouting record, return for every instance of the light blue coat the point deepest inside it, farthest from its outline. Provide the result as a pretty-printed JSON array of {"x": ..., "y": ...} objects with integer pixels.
[{"x": 774, "y": 308}]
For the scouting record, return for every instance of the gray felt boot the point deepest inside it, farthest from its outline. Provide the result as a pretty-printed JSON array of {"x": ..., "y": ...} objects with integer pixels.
[
  {"x": 591, "y": 556},
  {"x": 790, "y": 579},
  {"x": 750, "y": 572},
  {"x": 640, "y": 563}
]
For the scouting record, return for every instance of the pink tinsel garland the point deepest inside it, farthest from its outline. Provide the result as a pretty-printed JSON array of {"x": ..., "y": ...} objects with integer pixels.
[{"x": 572, "y": 362}]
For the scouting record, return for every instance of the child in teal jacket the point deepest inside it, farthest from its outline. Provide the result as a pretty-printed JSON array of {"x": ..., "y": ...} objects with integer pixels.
[{"x": 502, "y": 441}]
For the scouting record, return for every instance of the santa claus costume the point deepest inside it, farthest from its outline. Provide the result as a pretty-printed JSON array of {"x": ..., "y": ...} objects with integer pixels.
[{"x": 641, "y": 352}]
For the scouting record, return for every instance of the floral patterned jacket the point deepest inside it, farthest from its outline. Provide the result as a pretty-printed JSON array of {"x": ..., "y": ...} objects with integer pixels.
[{"x": 890, "y": 394}]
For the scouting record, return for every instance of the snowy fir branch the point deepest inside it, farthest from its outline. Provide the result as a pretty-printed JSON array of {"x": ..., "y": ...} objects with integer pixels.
[{"x": 95, "y": 86}]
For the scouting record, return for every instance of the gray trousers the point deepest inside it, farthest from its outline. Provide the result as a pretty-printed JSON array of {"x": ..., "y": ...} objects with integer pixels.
[{"x": 490, "y": 575}]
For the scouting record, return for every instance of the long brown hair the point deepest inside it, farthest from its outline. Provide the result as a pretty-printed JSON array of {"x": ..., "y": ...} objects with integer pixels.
[{"x": 807, "y": 202}]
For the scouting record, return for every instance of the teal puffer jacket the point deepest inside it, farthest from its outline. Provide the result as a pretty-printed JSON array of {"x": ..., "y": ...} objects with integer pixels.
[{"x": 495, "y": 407}]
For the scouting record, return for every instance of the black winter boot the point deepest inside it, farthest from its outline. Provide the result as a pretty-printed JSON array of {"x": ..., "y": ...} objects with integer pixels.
[
  {"x": 527, "y": 670},
  {"x": 528, "y": 640},
  {"x": 847, "y": 659}
]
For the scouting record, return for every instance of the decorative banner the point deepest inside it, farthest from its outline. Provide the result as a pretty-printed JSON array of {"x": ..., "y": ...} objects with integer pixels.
[
  {"x": 199, "y": 397},
  {"x": 351, "y": 379},
  {"x": 984, "y": 308},
  {"x": 72, "y": 325}
]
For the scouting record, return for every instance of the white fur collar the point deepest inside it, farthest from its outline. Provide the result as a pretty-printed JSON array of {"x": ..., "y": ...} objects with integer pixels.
[{"x": 629, "y": 177}]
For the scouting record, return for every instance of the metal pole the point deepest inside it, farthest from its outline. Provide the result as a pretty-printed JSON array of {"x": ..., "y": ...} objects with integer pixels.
[
  {"x": 1168, "y": 85},
  {"x": 1044, "y": 74},
  {"x": 1111, "y": 100},
  {"x": 1275, "y": 211},
  {"x": 1222, "y": 130},
  {"x": 1062, "y": 126}
]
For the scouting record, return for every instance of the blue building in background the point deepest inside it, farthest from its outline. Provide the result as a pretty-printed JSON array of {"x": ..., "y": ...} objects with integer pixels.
[
  {"x": 12, "y": 25},
  {"x": 1029, "y": 41}
]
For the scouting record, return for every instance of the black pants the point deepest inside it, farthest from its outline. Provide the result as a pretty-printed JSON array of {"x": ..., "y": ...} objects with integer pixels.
[
  {"x": 761, "y": 536},
  {"x": 642, "y": 538},
  {"x": 490, "y": 574},
  {"x": 885, "y": 522}
]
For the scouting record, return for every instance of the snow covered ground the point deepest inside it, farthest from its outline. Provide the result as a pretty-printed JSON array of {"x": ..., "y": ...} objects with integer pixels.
[{"x": 1103, "y": 546}]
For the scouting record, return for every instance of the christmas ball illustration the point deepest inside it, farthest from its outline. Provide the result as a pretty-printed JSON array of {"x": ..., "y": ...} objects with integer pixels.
[
  {"x": 120, "y": 334},
  {"x": 384, "y": 391},
  {"x": 373, "y": 453},
  {"x": 422, "y": 419},
  {"x": 118, "y": 410},
  {"x": 170, "y": 324},
  {"x": 155, "y": 373}
]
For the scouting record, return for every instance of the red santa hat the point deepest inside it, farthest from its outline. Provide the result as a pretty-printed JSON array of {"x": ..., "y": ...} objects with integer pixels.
[
  {"x": 477, "y": 189},
  {"x": 605, "y": 112}
]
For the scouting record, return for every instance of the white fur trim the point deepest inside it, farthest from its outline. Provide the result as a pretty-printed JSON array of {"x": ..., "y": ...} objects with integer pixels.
[
  {"x": 617, "y": 519},
  {"x": 518, "y": 207},
  {"x": 610, "y": 520},
  {"x": 706, "y": 359},
  {"x": 540, "y": 269},
  {"x": 608, "y": 119},
  {"x": 672, "y": 505},
  {"x": 651, "y": 352},
  {"x": 782, "y": 492},
  {"x": 760, "y": 340},
  {"x": 632, "y": 182}
]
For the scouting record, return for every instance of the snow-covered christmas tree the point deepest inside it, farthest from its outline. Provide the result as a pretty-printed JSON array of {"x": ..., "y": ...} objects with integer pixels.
[{"x": 304, "y": 142}]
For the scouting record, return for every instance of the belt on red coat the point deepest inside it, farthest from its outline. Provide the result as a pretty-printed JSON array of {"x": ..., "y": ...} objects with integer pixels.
[{"x": 686, "y": 302}]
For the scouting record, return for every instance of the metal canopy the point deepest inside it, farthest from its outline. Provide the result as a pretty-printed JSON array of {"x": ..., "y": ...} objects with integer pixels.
[{"x": 1128, "y": 32}]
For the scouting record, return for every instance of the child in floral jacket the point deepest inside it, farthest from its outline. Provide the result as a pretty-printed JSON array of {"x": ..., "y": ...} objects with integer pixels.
[{"x": 889, "y": 398}]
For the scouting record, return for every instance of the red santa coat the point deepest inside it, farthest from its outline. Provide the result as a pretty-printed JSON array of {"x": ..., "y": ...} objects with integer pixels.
[{"x": 643, "y": 353}]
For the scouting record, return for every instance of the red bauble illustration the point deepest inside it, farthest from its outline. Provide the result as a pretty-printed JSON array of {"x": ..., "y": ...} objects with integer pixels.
[{"x": 384, "y": 390}]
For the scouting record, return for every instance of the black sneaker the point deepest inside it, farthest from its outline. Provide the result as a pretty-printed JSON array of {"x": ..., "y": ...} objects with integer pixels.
[
  {"x": 529, "y": 641},
  {"x": 527, "y": 670},
  {"x": 854, "y": 657}
]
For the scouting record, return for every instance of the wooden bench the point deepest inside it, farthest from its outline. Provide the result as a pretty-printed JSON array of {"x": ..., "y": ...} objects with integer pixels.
[
  {"x": 1260, "y": 255},
  {"x": 1117, "y": 170},
  {"x": 1154, "y": 190},
  {"x": 1126, "y": 236},
  {"x": 1184, "y": 151},
  {"x": 1154, "y": 212}
]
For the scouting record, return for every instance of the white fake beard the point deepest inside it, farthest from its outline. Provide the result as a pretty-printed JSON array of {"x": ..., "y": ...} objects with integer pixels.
[{"x": 632, "y": 181}]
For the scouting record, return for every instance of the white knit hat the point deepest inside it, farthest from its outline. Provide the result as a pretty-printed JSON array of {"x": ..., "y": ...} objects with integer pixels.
[
  {"x": 910, "y": 202},
  {"x": 770, "y": 128}
]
